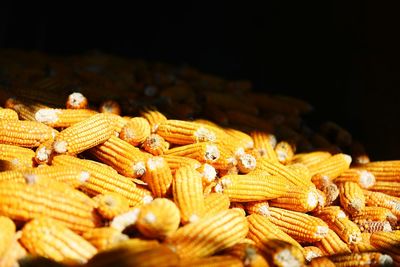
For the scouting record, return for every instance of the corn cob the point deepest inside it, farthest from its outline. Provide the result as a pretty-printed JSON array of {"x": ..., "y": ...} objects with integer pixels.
[
  {"x": 311, "y": 158},
  {"x": 257, "y": 207},
  {"x": 51, "y": 239},
  {"x": 76, "y": 101},
  {"x": 362, "y": 259},
  {"x": 332, "y": 167},
  {"x": 322, "y": 262},
  {"x": 387, "y": 187},
  {"x": 275, "y": 168},
  {"x": 383, "y": 200},
  {"x": 203, "y": 152},
  {"x": 297, "y": 198},
  {"x": 251, "y": 187},
  {"x": 84, "y": 135},
  {"x": 7, "y": 232},
  {"x": 281, "y": 254},
  {"x": 18, "y": 157},
  {"x": 124, "y": 220},
  {"x": 135, "y": 131},
  {"x": 158, "y": 219},
  {"x": 374, "y": 214},
  {"x": 301, "y": 171},
  {"x": 104, "y": 237},
  {"x": 187, "y": 192},
  {"x": 154, "y": 118},
  {"x": 264, "y": 144},
  {"x": 122, "y": 156},
  {"x": 226, "y": 159},
  {"x": 374, "y": 226},
  {"x": 214, "y": 203},
  {"x": 14, "y": 253},
  {"x": 155, "y": 145},
  {"x": 110, "y": 205},
  {"x": 364, "y": 245},
  {"x": 44, "y": 152},
  {"x": 175, "y": 162},
  {"x": 104, "y": 179},
  {"x": 26, "y": 109},
  {"x": 284, "y": 152},
  {"x": 24, "y": 133},
  {"x": 62, "y": 118},
  {"x": 209, "y": 235},
  {"x": 213, "y": 261},
  {"x": 312, "y": 252},
  {"x": 8, "y": 114},
  {"x": 324, "y": 184},
  {"x": 246, "y": 163},
  {"x": 352, "y": 198},
  {"x": 331, "y": 244},
  {"x": 184, "y": 132},
  {"x": 386, "y": 241},
  {"x": 363, "y": 178},
  {"x": 384, "y": 170},
  {"x": 158, "y": 176},
  {"x": 118, "y": 121},
  {"x": 110, "y": 106}
]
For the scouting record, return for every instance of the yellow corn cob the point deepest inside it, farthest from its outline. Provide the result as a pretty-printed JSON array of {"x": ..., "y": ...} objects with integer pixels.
[
  {"x": 257, "y": 207},
  {"x": 158, "y": 176},
  {"x": 321, "y": 262},
  {"x": 374, "y": 214},
  {"x": 383, "y": 200},
  {"x": 158, "y": 219},
  {"x": 214, "y": 203},
  {"x": 362, "y": 259},
  {"x": 24, "y": 133},
  {"x": 241, "y": 139},
  {"x": 374, "y": 226},
  {"x": 284, "y": 152},
  {"x": 62, "y": 118},
  {"x": 122, "y": 156},
  {"x": 51, "y": 239},
  {"x": 14, "y": 253},
  {"x": 135, "y": 131},
  {"x": 301, "y": 170},
  {"x": 384, "y": 170},
  {"x": 175, "y": 162},
  {"x": 110, "y": 204},
  {"x": 203, "y": 152},
  {"x": 118, "y": 121},
  {"x": 264, "y": 144},
  {"x": 125, "y": 220},
  {"x": 7, "y": 232},
  {"x": 297, "y": 198},
  {"x": 209, "y": 235},
  {"x": 161, "y": 256},
  {"x": 26, "y": 109},
  {"x": 352, "y": 198},
  {"x": 8, "y": 114},
  {"x": 104, "y": 237},
  {"x": 208, "y": 174},
  {"x": 110, "y": 106},
  {"x": 364, "y": 245},
  {"x": 18, "y": 157},
  {"x": 331, "y": 244},
  {"x": 185, "y": 132},
  {"x": 324, "y": 184},
  {"x": 363, "y": 178},
  {"x": 281, "y": 254},
  {"x": 104, "y": 179},
  {"x": 252, "y": 187},
  {"x": 58, "y": 201},
  {"x": 226, "y": 159},
  {"x": 213, "y": 261},
  {"x": 332, "y": 167},
  {"x": 276, "y": 168},
  {"x": 386, "y": 241},
  {"x": 76, "y": 100},
  {"x": 300, "y": 226},
  {"x": 387, "y": 187},
  {"x": 311, "y": 158},
  {"x": 154, "y": 118},
  {"x": 246, "y": 163},
  {"x": 44, "y": 152},
  {"x": 84, "y": 135},
  {"x": 187, "y": 191},
  {"x": 312, "y": 252},
  {"x": 262, "y": 231},
  {"x": 155, "y": 145}
]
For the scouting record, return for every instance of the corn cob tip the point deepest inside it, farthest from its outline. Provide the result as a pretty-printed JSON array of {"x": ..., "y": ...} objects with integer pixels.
[
  {"x": 385, "y": 260},
  {"x": 47, "y": 115},
  {"x": 347, "y": 158},
  {"x": 139, "y": 168},
  {"x": 209, "y": 173},
  {"x": 84, "y": 176},
  {"x": 367, "y": 179},
  {"x": 246, "y": 163},
  {"x": 60, "y": 146},
  {"x": 203, "y": 135},
  {"x": 211, "y": 153},
  {"x": 76, "y": 100},
  {"x": 42, "y": 155},
  {"x": 312, "y": 199}
]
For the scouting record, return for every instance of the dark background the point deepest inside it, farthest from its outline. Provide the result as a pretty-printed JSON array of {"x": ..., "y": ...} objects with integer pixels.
[{"x": 343, "y": 57}]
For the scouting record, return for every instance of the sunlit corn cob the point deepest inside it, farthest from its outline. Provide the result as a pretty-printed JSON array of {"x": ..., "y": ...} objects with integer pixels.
[
  {"x": 252, "y": 187},
  {"x": 332, "y": 167},
  {"x": 158, "y": 219},
  {"x": 125, "y": 220},
  {"x": 185, "y": 132},
  {"x": 312, "y": 252},
  {"x": 104, "y": 237},
  {"x": 374, "y": 214},
  {"x": 257, "y": 207},
  {"x": 362, "y": 259},
  {"x": 325, "y": 184},
  {"x": 222, "y": 230},
  {"x": 301, "y": 171},
  {"x": 331, "y": 244},
  {"x": 311, "y": 158},
  {"x": 226, "y": 159},
  {"x": 60, "y": 202},
  {"x": 24, "y": 133},
  {"x": 352, "y": 198},
  {"x": 364, "y": 245},
  {"x": 7, "y": 232},
  {"x": 387, "y": 187},
  {"x": 386, "y": 241},
  {"x": 110, "y": 106},
  {"x": 322, "y": 262},
  {"x": 111, "y": 204},
  {"x": 214, "y": 203},
  {"x": 187, "y": 191},
  {"x": 118, "y": 121},
  {"x": 158, "y": 176},
  {"x": 208, "y": 174},
  {"x": 276, "y": 168},
  {"x": 122, "y": 156},
  {"x": 154, "y": 118},
  {"x": 17, "y": 157},
  {"x": 244, "y": 140},
  {"x": 14, "y": 253},
  {"x": 135, "y": 131},
  {"x": 44, "y": 152},
  {"x": 246, "y": 163},
  {"x": 284, "y": 152},
  {"x": 8, "y": 114},
  {"x": 84, "y": 135},
  {"x": 297, "y": 198},
  {"x": 383, "y": 200},
  {"x": 62, "y": 118},
  {"x": 282, "y": 254},
  {"x": 374, "y": 226},
  {"x": 203, "y": 152},
  {"x": 213, "y": 261},
  {"x": 384, "y": 170},
  {"x": 155, "y": 145},
  {"x": 264, "y": 144},
  {"x": 104, "y": 179},
  {"x": 51, "y": 239},
  {"x": 76, "y": 100},
  {"x": 363, "y": 178},
  {"x": 175, "y": 162}
]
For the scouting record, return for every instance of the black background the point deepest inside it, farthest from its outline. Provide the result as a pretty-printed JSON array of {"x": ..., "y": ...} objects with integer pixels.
[{"x": 341, "y": 56}]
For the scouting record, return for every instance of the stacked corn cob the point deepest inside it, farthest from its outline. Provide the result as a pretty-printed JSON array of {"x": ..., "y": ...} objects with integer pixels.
[{"x": 245, "y": 184}]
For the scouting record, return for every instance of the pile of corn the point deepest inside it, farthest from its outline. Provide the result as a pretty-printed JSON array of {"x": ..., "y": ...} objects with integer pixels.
[{"x": 114, "y": 162}]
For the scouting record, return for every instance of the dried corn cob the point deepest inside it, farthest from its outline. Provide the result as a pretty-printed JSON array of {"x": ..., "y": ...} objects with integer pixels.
[
  {"x": 374, "y": 226},
  {"x": 301, "y": 170},
  {"x": 297, "y": 198},
  {"x": 155, "y": 145},
  {"x": 332, "y": 167},
  {"x": 51, "y": 239},
  {"x": 135, "y": 131},
  {"x": 257, "y": 207},
  {"x": 158, "y": 219},
  {"x": 264, "y": 144},
  {"x": 387, "y": 187},
  {"x": 62, "y": 118},
  {"x": 363, "y": 178},
  {"x": 209, "y": 235},
  {"x": 280, "y": 253},
  {"x": 331, "y": 244},
  {"x": 362, "y": 259},
  {"x": 110, "y": 106},
  {"x": 203, "y": 152},
  {"x": 175, "y": 162},
  {"x": 352, "y": 198},
  {"x": 246, "y": 163},
  {"x": 322, "y": 262},
  {"x": 214, "y": 203},
  {"x": 187, "y": 191},
  {"x": 213, "y": 261},
  {"x": 26, "y": 109},
  {"x": 312, "y": 252},
  {"x": 374, "y": 214},
  {"x": 110, "y": 205},
  {"x": 383, "y": 200},
  {"x": 241, "y": 139},
  {"x": 154, "y": 118},
  {"x": 311, "y": 158},
  {"x": 346, "y": 229},
  {"x": 386, "y": 241},
  {"x": 324, "y": 184},
  {"x": 7, "y": 232},
  {"x": 158, "y": 176},
  {"x": 284, "y": 152},
  {"x": 364, "y": 245},
  {"x": 76, "y": 100},
  {"x": 383, "y": 170},
  {"x": 104, "y": 237},
  {"x": 118, "y": 121},
  {"x": 122, "y": 156},
  {"x": 8, "y": 114},
  {"x": 252, "y": 187}
]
